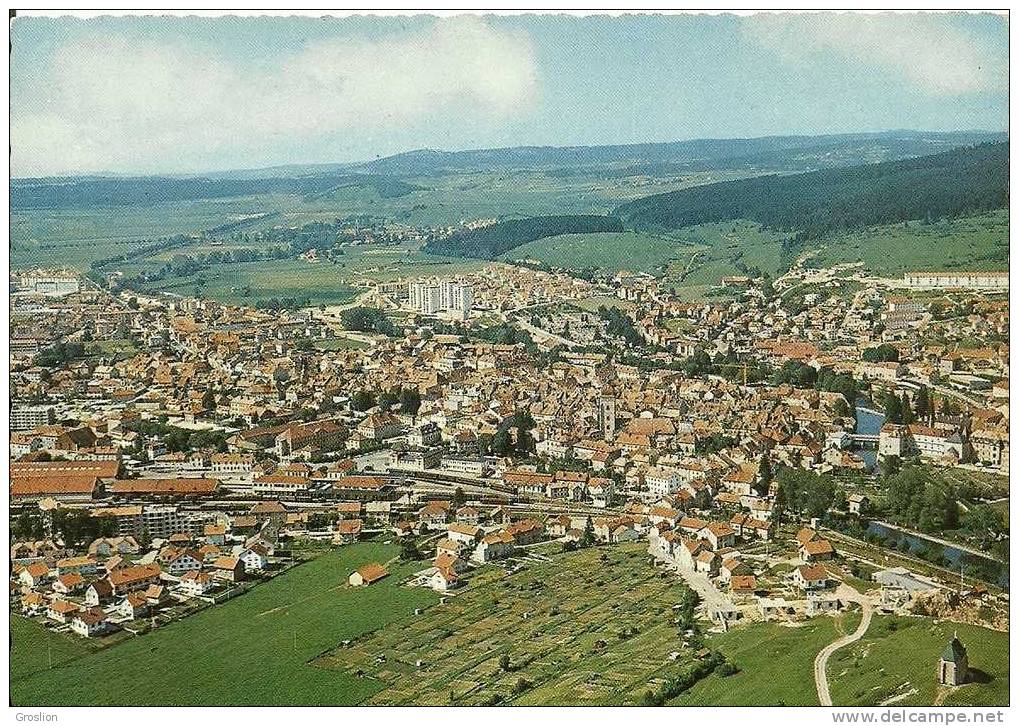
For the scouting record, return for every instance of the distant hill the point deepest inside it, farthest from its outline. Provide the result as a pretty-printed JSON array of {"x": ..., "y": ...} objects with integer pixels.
[
  {"x": 962, "y": 181},
  {"x": 74, "y": 192},
  {"x": 786, "y": 152},
  {"x": 490, "y": 242}
]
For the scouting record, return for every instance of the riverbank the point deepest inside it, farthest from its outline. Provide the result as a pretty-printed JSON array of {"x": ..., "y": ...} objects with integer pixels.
[{"x": 938, "y": 540}]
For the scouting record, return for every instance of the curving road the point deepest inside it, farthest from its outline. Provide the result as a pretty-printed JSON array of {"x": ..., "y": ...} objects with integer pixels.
[{"x": 821, "y": 662}]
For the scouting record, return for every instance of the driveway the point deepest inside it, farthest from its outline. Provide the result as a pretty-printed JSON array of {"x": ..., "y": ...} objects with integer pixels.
[{"x": 821, "y": 662}]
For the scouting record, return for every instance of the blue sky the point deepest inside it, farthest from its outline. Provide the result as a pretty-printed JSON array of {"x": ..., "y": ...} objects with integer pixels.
[{"x": 158, "y": 94}]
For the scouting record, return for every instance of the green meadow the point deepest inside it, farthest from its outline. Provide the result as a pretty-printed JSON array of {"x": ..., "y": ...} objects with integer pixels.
[
  {"x": 967, "y": 243},
  {"x": 776, "y": 664},
  {"x": 325, "y": 282},
  {"x": 250, "y": 651},
  {"x": 897, "y": 659},
  {"x": 611, "y": 251}
]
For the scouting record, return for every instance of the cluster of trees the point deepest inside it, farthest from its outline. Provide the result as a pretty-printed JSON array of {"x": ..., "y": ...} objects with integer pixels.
[
  {"x": 368, "y": 320},
  {"x": 362, "y": 400},
  {"x": 60, "y": 354},
  {"x": 408, "y": 398},
  {"x": 178, "y": 439},
  {"x": 409, "y": 551},
  {"x": 505, "y": 334},
  {"x": 920, "y": 409},
  {"x": 273, "y": 304},
  {"x": 803, "y": 493},
  {"x": 884, "y": 353},
  {"x": 503, "y": 443},
  {"x": 78, "y": 528},
  {"x": 619, "y": 324},
  {"x": 686, "y": 613},
  {"x": 985, "y": 525},
  {"x": 491, "y": 241},
  {"x": 714, "y": 663},
  {"x": 804, "y": 376},
  {"x": 728, "y": 366},
  {"x": 953, "y": 183},
  {"x": 587, "y": 538},
  {"x": 713, "y": 444},
  {"x": 28, "y": 526},
  {"x": 915, "y": 497}
]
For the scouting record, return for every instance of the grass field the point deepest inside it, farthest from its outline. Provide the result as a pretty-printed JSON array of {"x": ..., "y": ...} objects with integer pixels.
[
  {"x": 691, "y": 259},
  {"x": 776, "y": 664},
  {"x": 35, "y": 649},
  {"x": 611, "y": 251},
  {"x": 246, "y": 282},
  {"x": 899, "y": 656},
  {"x": 340, "y": 344},
  {"x": 560, "y": 623},
  {"x": 728, "y": 248},
  {"x": 967, "y": 243},
  {"x": 594, "y": 302},
  {"x": 76, "y": 237},
  {"x": 324, "y": 282},
  {"x": 253, "y": 650}
]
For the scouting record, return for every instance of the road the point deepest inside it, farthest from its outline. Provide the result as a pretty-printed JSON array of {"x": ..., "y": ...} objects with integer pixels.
[
  {"x": 540, "y": 333},
  {"x": 331, "y": 314},
  {"x": 711, "y": 597},
  {"x": 821, "y": 662}
]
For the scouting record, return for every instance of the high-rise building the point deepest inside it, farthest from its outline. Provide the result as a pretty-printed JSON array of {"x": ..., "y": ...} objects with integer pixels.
[
  {"x": 26, "y": 418},
  {"x": 430, "y": 298},
  {"x": 607, "y": 417}
]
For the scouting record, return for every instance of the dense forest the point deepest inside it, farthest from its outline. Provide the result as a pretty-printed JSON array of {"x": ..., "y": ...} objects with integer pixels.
[
  {"x": 958, "y": 182},
  {"x": 489, "y": 242}
]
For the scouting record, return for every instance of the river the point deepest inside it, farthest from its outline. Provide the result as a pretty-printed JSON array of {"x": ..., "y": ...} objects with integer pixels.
[
  {"x": 989, "y": 568},
  {"x": 869, "y": 422}
]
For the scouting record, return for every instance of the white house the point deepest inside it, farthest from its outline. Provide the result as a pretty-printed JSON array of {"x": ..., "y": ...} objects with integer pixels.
[{"x": 90, "y": 623}]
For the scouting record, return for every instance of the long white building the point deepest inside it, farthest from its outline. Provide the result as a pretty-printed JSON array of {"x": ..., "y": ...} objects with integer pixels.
[
  {"x": 969, "y": 280},
  {"x": 49, "y": 282}
]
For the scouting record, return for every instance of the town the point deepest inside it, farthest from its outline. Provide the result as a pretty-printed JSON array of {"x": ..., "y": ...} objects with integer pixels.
[
  {"x": 511, "y": 357},
  {"x": 793, "y": 451}
]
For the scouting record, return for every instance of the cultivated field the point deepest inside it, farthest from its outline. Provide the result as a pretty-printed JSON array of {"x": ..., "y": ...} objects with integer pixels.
[
  {"x": 576, "y": 630},
  {"x": 253, "y": 650}
]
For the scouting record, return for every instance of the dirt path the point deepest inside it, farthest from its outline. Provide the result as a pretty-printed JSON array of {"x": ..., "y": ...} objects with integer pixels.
[{"x": 821, "y": 662}]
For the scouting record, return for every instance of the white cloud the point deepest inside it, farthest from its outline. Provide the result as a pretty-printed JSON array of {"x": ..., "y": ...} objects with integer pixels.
[
  {"x": 925, "y": 50},
  {"x": 114, "y": 106}
]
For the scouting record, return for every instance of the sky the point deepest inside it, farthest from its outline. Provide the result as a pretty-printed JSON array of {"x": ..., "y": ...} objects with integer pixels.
[{"x": 147, "y": 95}]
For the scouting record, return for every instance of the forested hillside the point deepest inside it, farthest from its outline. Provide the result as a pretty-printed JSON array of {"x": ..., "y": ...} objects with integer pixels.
[
  {"x": 954, "y": 183},
  {"x": 83, "y": 192},
  {"x": 793, "y": 153},
  {"x": 492, "y": 241}
]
